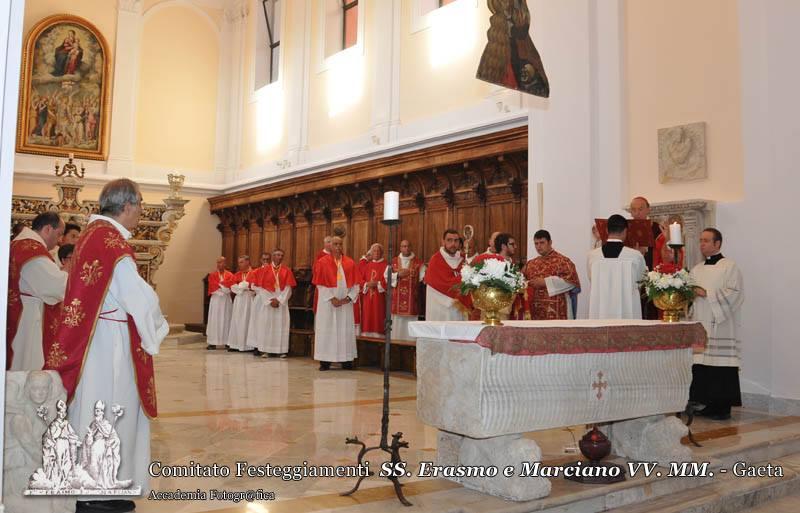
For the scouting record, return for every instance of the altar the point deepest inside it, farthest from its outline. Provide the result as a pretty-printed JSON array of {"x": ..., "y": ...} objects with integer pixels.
[{"x": 484, "y": 386}]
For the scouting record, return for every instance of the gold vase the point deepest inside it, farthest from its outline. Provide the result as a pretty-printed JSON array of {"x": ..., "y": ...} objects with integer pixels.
[
  {"x": 491, "y": 301},
  {"x": 673, "y": 304}
]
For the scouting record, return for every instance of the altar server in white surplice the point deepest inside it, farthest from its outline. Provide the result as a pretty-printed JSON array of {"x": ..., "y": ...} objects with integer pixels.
[
  {"x": 108, "y": 338},
  {"x": 614, "y": 271},
  {"x": 275, "y": 288},
  {"x": 35, "y": 287},
  {"x": 257, "y": 327},
  {"x": 720, "y": 294},
  {"x": 338, "y": 285},
  {"x": 219, "y": 306},
  {"x": 242, "y": 304}
]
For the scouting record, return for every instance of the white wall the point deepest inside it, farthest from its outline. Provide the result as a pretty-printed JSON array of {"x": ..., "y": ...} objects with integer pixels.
[{"x": 762, "y": 232}]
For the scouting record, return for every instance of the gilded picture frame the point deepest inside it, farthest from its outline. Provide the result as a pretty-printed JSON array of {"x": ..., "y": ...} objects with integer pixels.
[{"x": 64, "y": 101}]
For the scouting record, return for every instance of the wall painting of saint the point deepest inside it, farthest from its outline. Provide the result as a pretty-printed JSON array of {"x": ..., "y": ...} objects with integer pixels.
[
  {"x": 510, "y": 58},
  {"x": 64, "y": 104}
]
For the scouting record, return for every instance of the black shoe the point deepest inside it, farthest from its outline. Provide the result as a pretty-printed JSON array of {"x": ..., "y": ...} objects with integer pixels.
[
  {"x": 323, "y": 366},
  {"x": 232, "y": 350},
  {"x": 111, "y": 506},
  {"x": 256, "y": 352},
  {"x": 347, "y": 365},
  {"x": 211, "y": 348}
]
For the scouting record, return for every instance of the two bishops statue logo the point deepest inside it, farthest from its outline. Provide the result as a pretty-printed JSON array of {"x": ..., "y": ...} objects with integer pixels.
[{"x": 94, "y": 472}]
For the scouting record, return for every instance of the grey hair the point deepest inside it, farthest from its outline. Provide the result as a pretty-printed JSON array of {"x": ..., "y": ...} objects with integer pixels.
[{"x": 116, "y": 194}]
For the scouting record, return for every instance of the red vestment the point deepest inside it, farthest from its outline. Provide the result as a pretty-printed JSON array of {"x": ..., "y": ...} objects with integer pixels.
[
  {"x": 217, "y": 279},
  {"x": 446, "y": 280},
  {"x": 660, "y": 248},
  {"x": 326, "y": 274},
  {"x": 321, "y": 254},
  {"x": 542, "y": 305},
  {"x": 405, "y": 300},
  {"x": 96, "y": 254},
  {"x": 358, "y": 305},
  {"x": 373, "y": 302},
  {"x": 21, "y": 252},
  {"x": 276, "y": 278}
]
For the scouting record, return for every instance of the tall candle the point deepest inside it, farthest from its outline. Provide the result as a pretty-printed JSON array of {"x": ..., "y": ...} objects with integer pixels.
[
  {"x": 675, "y": 236},
  {"x": 391, "y": 206}
]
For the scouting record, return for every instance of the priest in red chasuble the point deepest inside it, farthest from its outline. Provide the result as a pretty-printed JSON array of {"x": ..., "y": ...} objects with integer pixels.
[
  {"x": 443, "y": 299},
  {"x": 552, "y": 281},
  {"x": 35, "y": 289},
  {"x": 111, "y": 326},
  {"x": 407, "y": 272},
  {"x": 338, "y": 284},
  {"x": 373, "y": 294},
  {"x": 219, "y": 306}
]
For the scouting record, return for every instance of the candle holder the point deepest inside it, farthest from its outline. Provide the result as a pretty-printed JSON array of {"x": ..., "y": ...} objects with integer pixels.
[
  {"x": 69, "y": 170},
  {"x": 676, "y": 248},
  {"x": 393, "y": 448}
]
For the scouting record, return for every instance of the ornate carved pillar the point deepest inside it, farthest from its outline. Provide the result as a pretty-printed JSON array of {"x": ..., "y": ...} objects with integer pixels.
[{"x": 126, "y": 77}]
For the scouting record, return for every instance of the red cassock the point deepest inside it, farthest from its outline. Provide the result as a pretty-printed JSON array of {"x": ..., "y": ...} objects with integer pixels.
[
  {"x": 321, "y": 254},
  {"x": 217, "y": 279},
  {"x": 405, "y": 296},
  {"x": 22, "y": 252},
  {"x": 373, "y": 301},
  {"x": 446, "y": 280},
  {"x": 358, "y": 306},
  {"x": 274, "y": 279},
  {"x": 96, "y": 254}
]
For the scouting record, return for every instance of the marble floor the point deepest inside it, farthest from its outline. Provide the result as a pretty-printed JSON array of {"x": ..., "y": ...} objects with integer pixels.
[{"x": 222, "y": 407}]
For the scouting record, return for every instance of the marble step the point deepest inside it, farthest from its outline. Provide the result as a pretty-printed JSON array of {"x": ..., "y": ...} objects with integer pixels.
[
  {"x": 788, "y": 504},
  {"x": 184, "y": 337},
  {"x": 728, "y": 493},
  {"x": 176, "y": 328}
]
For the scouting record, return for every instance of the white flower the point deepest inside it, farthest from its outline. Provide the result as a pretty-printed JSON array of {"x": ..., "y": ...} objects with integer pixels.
[
  {"x": 653, "y": 275},
  {"x": 467, "y": 272}
]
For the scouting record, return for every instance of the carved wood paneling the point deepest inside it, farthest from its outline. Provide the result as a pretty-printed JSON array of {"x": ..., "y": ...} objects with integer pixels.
[{"x": 481, "y": 182}]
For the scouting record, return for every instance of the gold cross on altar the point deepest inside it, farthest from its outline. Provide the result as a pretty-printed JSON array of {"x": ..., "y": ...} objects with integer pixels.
[{"x": 600, "y": 385}]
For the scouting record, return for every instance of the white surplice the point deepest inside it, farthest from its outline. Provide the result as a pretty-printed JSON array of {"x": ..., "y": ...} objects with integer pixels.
[
  {"x": 240, "y": 318},
  {"x": 108, "y": 373},
  {"x": 719, "y": 312},
  {"x": 275, "y": 337},
  {"x": 400, "y": 322},
  {"x": 220, "y": 308},
  {"x": 41, "y": 281},
  {"x": 257, "y": 323},
  {"x": 615, "y": 289},
  {"x": 555, "y": 286},
  {"x": 334, "y": 330},
  {"x": 441, "y": 307}
]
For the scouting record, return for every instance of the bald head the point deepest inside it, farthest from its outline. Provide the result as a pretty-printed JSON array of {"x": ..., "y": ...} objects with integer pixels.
[
  {"x": 337, "y": 246},
  {"x": 640, "y": 207},
  {"x": 405, "y": 248}
]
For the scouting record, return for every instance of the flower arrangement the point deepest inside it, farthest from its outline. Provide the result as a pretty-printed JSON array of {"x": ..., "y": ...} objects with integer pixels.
[
  {"x": 491, "y": 271},
  {"x": 666, "y": 279}
]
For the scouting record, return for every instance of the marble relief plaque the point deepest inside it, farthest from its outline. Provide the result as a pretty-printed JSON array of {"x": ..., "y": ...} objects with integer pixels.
[{"x": 682, "y": 153}]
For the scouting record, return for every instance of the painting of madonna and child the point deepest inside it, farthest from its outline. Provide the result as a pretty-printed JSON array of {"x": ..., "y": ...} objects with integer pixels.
[{"x": 64, "y": 91}]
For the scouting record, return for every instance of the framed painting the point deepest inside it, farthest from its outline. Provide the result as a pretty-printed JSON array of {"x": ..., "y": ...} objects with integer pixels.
[{"x": 64, "y": 102}]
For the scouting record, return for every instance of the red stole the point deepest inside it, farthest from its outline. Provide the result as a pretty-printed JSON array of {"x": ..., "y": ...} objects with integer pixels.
[
  {"x": 22, "y": 251},
  {"x": 327, "y": 270},
  {"x": 374, "y": 302},
  {"x": 404, "y": 295},
  {"x": 97, "y": 252},
  {"x": 270, "y": 277},
  {"x": 446, "y": 280},
  {"x": 217, "y": 279}
]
